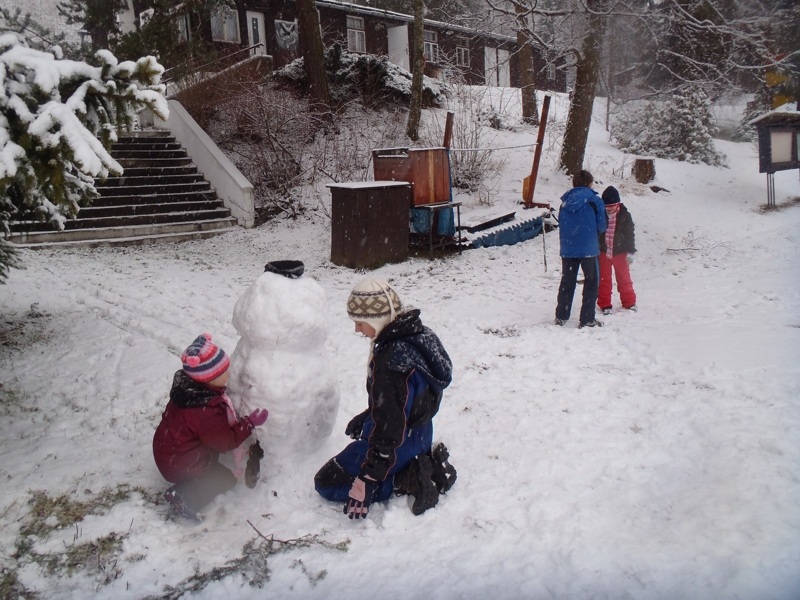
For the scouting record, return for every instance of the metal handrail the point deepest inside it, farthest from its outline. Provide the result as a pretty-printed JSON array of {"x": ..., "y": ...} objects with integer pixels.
[{"x": 165, "y": 78}]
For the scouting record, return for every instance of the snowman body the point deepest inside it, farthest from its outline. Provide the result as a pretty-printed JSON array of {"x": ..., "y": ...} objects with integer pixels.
[{"x": 281, "y": 363}]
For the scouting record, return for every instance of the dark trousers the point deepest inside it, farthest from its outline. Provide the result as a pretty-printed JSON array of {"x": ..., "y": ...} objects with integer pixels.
[
  {"x": 334, "y": 480},
  {"x": 566, "y": 290},
  {"x": 197, "y": 493}
]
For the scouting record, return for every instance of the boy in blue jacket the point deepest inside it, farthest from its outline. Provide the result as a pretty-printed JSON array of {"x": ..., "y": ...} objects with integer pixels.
[{"x": 581, "y": 219}]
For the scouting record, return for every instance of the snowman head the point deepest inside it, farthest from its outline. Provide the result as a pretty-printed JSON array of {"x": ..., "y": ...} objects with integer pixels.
[{"x": 375, "y": 303}]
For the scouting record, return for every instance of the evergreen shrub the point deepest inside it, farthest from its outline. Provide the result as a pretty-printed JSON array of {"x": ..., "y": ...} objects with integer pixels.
[{"x": 680, "y": 128}]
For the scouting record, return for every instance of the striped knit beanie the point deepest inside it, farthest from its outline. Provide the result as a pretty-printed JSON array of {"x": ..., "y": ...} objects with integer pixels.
[
  {"x": 203, "y": 361},
  {"x": 374, "y": 302}
]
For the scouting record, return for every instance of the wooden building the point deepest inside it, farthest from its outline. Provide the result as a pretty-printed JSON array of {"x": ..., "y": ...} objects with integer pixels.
[{"x": 451, "y": 51}]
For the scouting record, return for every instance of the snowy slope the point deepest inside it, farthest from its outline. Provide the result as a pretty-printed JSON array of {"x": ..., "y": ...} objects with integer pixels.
[{"x": 657, "y": 457}]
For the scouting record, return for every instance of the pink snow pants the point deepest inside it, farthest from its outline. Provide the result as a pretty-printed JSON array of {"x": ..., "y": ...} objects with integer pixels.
[{"x": 624, "y": 283}]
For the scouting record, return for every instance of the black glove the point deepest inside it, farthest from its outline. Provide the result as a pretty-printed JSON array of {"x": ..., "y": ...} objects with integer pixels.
[
  {"x": 356, "y": 425},
  {"x": 360, "y": 498},
  {"x": 253, "y": 468}
]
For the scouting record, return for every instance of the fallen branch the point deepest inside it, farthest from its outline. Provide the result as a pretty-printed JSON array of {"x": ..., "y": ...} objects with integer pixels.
[{"x": 252, "y": 565}]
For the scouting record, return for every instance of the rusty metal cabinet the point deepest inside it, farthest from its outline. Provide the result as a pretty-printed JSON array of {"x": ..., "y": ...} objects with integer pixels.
[{"x": 369, "y": 223}]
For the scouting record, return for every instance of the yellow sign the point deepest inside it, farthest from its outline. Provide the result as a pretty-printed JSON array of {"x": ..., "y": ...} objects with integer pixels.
[
  {"x": 781, "y": 100},
  {"x": 774, "y": 79}
]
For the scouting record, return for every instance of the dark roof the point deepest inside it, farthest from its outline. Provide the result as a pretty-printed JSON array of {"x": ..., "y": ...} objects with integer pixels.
[{"x": 388, "y": 14}]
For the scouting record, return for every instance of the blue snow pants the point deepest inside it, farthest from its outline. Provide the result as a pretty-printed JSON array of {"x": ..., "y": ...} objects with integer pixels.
[{"x": 335, "y": 478}]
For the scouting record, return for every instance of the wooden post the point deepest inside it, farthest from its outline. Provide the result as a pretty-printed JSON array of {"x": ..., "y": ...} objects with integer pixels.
[
  {"x": 529, "y": 183},
  {"x": 644, "y": 169},
  {"x": 448, "y": 129}
]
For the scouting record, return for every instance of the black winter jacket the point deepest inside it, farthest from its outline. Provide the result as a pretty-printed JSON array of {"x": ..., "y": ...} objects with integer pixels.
[
  {"x": 408, "y": 372},
  {"x": 624, "y": 240}
]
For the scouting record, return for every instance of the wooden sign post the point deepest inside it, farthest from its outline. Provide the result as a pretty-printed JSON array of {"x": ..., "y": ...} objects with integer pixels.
[
  {"x": 448, "y": 129},
  {"x": 529, "y": 183}
]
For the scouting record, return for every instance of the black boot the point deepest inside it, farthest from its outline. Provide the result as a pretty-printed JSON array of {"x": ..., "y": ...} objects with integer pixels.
[
  {"x": 417, "y": 480},
  {"x": 444, "y": 474},
  {"x": 253, "y": 468}
]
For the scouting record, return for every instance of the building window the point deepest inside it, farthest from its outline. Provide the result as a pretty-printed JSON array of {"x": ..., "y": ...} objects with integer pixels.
[
  {"x": 431, "y": 48},
  {"x": 356, "y": 38},
  {"x": 462, "y": 57},
  {"x": 182, "y": 23},
  {"x": 145, "y": 16},
  {"x": 225, "y": 25},
  {"x": 551, "y": 72}
]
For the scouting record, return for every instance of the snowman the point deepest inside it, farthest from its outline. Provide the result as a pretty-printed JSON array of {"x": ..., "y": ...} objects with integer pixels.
[{"x": 281, "y": 363}]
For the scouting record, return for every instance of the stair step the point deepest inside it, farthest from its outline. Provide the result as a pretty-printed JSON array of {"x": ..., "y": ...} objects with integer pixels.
[
  {"x": 163, "y": 139},
  {"x": 126, "y": 163},
  {"x": 154, "y": 218},
  {"x": 199, "y": 196},
  {"x": 122, "y": 210},
  {"x": 141, "y": 240},
  {"x": 149, "y": 154},
  {"x": 152, "y": 190},
  {"x": 145, "y": 135},
  {"x": 158, "y": 171},
  {"x": 149, "y": 219},
  {"x": 148, "y": 145},
  {"x": 143, "y": 180},
  {"x": 111, "y": 233}
]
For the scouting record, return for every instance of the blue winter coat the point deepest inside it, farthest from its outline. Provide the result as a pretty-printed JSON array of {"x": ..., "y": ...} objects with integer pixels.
[{"x": 581, "y": 218}]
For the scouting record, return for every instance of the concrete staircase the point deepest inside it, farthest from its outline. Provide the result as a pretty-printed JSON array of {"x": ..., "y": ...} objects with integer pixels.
[{"x": 160, "y": 197}]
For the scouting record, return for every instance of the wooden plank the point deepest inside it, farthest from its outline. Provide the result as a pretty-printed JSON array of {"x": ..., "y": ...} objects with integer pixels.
[{"x": 490, "y": 223}]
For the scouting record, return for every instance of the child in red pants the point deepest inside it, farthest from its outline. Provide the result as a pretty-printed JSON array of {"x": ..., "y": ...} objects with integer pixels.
[{"x": 617, "y": 247}]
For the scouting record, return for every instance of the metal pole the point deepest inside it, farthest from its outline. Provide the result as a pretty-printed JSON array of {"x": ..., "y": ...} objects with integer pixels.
[
  {"x": 544, "y": 246},
  {"x": 770, "y": 190}
]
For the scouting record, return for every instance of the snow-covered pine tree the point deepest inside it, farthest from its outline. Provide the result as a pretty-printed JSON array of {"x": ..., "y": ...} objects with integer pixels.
[
  {"x": 57, "y": 120},
  {"x": 757, "y": 106},
  {"x": 680, "y": 128}
]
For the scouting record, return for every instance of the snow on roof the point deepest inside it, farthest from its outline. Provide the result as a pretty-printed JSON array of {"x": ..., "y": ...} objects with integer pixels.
[{"x": 786, "y": 113}]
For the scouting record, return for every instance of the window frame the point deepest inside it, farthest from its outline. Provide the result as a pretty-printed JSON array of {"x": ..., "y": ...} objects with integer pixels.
[
  {"x": 228, "y": 14},
  {"x": 356, "y": 36},
  {"x": 145, "y": 16},
  {"x": 462, "y": 56},
  {"x": 551, "y": 72},
  {"x": 430, "y": 46},
  {"x": 182, "y": 23}
]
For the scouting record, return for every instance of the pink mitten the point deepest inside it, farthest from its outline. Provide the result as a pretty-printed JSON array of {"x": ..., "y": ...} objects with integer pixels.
[{"x": 259, "y": 416}]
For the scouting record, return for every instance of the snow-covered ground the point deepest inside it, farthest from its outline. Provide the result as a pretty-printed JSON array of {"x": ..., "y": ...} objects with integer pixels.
[{"x": 655, "y": 458}]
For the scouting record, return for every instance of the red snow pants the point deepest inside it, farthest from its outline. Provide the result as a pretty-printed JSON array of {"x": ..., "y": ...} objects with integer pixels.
[{"x": 624, "y": 283}]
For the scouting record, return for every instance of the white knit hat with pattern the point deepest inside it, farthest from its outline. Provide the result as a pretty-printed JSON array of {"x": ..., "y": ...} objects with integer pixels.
[{"x": 374, "y": 302}]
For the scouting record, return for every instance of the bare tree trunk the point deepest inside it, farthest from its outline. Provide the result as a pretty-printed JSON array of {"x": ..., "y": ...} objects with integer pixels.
[
  {"x": 527, "y": 75},
  {"x": 415, "y": 109},
  {"x": 580, "y": 109},
  {"x": 313, "y": 53}
]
